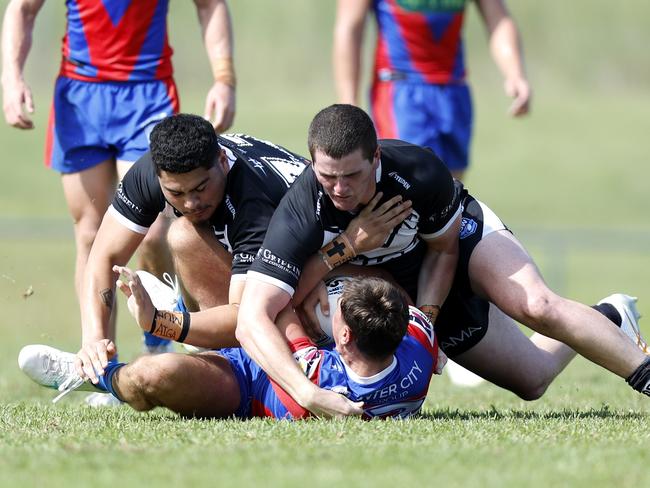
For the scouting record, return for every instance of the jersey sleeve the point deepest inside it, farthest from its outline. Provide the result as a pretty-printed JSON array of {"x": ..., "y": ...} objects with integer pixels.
[
  {"x": 294, "y": 234},
  {"x": 423, "y": 331},
  {"x": 443, "y": 202},
  {"x": 139, "y": 198}
]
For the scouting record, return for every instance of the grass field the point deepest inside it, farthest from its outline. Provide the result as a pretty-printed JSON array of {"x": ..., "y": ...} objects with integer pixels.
[{"x": 571, "y": 181}]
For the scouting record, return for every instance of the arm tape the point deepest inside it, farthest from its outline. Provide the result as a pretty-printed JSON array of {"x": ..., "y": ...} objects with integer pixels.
[{"x": 170, "y": 325}]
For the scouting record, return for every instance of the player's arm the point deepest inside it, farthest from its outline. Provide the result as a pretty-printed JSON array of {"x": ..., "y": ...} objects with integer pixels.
[
  {"x": 346, "y": 53},
  {"x": 17, "y": 29},
  {"x": 438, "y": 268},
  {"x": 114, "y": 244},
  {"x": 507, "y": 52},
  {"x": 216, "y": 29},
  {"x": 259, "y": 336}
]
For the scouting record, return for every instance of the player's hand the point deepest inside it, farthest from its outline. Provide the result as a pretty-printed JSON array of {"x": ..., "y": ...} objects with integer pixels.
[
  {"x": 327, "y": 404},
  {"x": 220, "y": 106},
  {"x": 519, "y": 90},
  {"x": 17, "y": 103},
  {"x": 138, "y": 300},
  {"x": 307, "y": 310},
  {"x": 93, "y": 357},
  {"x": 371, "y": 228}
]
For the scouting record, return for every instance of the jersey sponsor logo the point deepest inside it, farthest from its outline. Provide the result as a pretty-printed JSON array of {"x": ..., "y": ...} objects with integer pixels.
[
  {"x": 124, "y": 199},
  {"x": 230, "y": 206},
  {"x": 400, "y": 388},
  {"x": 243, "y": 258},
  {"x": 432, "y": 5},
  {"x": 467, "y": 227},
  {"x": 270, "y": 259},
  {"x": 396, "y": 410},
  {"x": 400, "y": 180},
  {"x": 464, "y": 335}
]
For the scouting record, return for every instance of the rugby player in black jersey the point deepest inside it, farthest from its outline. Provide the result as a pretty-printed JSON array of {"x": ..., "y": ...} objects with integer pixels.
[
  {"x": 224, "y": 188},
  {"x": 454, "y": 256}
]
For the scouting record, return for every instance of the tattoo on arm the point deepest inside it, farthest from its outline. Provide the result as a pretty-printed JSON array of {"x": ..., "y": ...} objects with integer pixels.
[{"x": 107, "y": 297}]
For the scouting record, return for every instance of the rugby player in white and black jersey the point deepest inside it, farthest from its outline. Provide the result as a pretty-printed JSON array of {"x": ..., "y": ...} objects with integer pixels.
[
  {"x": 225, "y": 188},
  {"x": 449, "y": 237}
]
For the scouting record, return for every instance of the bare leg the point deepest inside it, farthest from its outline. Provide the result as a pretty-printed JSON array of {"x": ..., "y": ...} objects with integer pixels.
[
  {"x": 525, "y": 366},
  {"x": 88, "y": 194},
  {"x": 201, "y": 262},
  {"x": 503, "y": 272},
  {"x": 196, "y": 385},
  {"x": 153, "y": 253}
]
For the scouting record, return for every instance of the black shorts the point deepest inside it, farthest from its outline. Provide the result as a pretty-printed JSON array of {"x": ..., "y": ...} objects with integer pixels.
[{"x": 463, "y": 319}]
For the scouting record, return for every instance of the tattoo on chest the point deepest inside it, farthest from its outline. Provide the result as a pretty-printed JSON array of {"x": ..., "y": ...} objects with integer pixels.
[{"x": 107, "y": 297}]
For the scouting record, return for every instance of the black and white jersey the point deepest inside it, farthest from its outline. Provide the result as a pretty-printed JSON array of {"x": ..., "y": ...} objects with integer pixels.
[
  {"x": 260, "y": 174},
  {"x": 306, "y": 219}
]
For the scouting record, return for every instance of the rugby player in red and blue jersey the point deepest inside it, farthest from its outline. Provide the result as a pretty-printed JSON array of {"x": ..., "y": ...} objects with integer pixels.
[
  {"x": 114, "y": 85},
  {"x": 419, "y": 92},
  {"x": 385, "y": 354}
]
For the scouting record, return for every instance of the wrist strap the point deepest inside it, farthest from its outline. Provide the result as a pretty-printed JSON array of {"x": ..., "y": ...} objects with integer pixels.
[
  {"x": 337, "y": 252},
  {"x": 170, "y": 325},
  {"x": 224, "y": 71}
]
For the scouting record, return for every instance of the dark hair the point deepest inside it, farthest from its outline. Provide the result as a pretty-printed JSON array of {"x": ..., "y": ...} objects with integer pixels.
[
  {"x": 182, "y": 143},
  {"x": 377, "y": 312},
  {"x": 339, "y": 130}
]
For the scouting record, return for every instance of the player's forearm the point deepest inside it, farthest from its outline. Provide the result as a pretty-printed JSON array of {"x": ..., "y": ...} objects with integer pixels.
[
  {"x": 346, "y": 57},
  {"x": 436, "y": 277},
  {"x": 264, "y": 343},
  {"x": 216, "y": 29},
  {"x": 98, "y": 299},
  {"x": 17, "y": 29},
  {"x": 312, "y": 274},
  {"x": 214, "y": 327},
  {"x": 506, "y": 49}
]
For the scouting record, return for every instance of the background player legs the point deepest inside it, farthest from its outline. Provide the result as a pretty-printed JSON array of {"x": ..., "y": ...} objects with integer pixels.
[
  {"x": 88, "y": 194},
  {"x": 202, "y": 264},
  {"x": 201, "y": 385},
  {"x": 501, "y": 271},
  {"x": 525, "y": 366}
]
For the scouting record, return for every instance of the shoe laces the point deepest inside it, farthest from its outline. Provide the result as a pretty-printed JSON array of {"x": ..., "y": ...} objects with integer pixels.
[
  {"x": 68, "y": 386},
  {"x": 172, "y": 282}
]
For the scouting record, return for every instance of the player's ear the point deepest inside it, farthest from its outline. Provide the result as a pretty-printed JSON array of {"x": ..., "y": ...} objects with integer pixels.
[
  {"x": 346, "y": 335},
  {"x": 223, "y": 160},
  {"x": 376, "y": 157}
]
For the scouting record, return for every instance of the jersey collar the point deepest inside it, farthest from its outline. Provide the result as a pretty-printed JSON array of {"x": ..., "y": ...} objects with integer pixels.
[{"x": 369, "y": 380}]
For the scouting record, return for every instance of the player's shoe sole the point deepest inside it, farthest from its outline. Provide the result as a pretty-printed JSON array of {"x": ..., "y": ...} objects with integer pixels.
[{"x": 625, "y": 305}]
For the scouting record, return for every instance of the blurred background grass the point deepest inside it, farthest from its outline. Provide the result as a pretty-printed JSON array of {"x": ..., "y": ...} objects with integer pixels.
[{"x": 571, "y": 180}]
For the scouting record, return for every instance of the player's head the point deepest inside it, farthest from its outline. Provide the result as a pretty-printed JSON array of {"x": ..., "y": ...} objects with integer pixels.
[
  {"x": 191, "y": 167},
  {"x": 343, "y": 146},
  {"x": 372, "y": 313}
]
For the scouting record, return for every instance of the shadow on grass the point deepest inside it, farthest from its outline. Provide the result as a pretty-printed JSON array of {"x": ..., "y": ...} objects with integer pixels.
[{"x": 566, "y": 414}]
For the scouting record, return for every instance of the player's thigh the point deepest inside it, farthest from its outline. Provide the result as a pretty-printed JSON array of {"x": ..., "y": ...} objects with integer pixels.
[
  {"x": 502, "y": 271},
  {"x": 506, "y": 357},
  {"x": 88, "y": 193},
  {"x": 201, "y": 385}
]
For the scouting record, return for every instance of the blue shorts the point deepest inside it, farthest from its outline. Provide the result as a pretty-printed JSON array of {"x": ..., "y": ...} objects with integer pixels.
[
  {"x": 435, "y": 116},
  {"x": 92, "y": 122},
  {"x": 247, "y": 373}
]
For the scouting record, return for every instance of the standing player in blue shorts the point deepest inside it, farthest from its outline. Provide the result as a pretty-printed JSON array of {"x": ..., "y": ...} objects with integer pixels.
[
  {"x": 419, "y": 93},
  {"x": 385, "y": 355},
  {"x": 114, "y": 85}
]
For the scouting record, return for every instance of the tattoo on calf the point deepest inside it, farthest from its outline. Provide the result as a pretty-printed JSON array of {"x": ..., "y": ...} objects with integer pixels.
[{"x": 107, "y": 297}]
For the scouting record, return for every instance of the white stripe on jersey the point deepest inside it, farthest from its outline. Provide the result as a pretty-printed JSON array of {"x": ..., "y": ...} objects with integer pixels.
[
  {"x": 255, "y": 275},
  {"x": 126, "y": 222}
]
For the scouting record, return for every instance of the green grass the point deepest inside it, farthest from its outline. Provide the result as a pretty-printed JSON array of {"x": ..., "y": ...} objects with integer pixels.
[{"x": 571, "y": 180}]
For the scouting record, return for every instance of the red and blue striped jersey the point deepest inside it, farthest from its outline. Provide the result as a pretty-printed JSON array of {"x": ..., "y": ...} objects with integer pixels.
[
  {"x": 420, "y": 40},
  {"x": 398, "y": 391},
  {"x": 116, "y": 40}
]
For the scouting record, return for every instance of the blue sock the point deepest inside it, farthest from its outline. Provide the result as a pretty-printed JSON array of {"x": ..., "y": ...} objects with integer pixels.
[{"x": 106, "y": 380}]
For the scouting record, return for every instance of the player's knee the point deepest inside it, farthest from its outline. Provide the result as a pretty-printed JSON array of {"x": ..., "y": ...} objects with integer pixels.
[
  {"x": 533, "y": 391},
  {"x": 539, "y": 311},
  {"x": 85, "y": 231},
  {"x": 147, "y": 379},
  {"x": 181, "y": 237}
]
